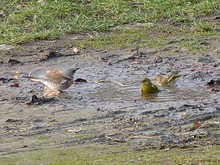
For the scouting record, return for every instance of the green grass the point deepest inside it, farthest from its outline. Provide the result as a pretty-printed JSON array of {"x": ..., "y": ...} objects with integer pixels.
[
  {"x": 95, "y": 155},
  {"x": 148, "y": 37},
  {"x": 25, "y": 20},
  {"x": 122, "y": 38}
]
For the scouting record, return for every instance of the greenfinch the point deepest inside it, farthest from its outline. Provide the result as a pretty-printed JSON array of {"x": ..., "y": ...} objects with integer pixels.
[
  {"x": 166, "y": 80},
  {"x": 148, "y": 87}
]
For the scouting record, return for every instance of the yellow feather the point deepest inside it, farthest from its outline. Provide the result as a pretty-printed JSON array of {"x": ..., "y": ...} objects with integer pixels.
[
  {"x": 148, "y": 87},
  {"x": 166, "y": 80}
]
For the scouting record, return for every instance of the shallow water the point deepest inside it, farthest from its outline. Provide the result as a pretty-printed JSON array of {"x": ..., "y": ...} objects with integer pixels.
[{"x": 112, "y": 92}]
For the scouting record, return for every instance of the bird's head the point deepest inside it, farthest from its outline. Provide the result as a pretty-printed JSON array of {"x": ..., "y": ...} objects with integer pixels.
[
  {"x": 146, "y": 81},
  {"x": 70, "y": 72},
  {"x": 158, "y": 78}
]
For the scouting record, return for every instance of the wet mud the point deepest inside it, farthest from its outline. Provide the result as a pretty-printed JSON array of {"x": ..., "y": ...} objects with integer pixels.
[{"x": 106, "y": 106}]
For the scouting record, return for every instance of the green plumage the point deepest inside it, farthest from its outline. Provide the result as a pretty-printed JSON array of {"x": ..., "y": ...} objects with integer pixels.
[{"x": 148, "y": 87}]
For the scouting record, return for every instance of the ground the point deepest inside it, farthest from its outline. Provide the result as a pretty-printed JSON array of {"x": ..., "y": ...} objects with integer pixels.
[{"x": 107, "y": 109}]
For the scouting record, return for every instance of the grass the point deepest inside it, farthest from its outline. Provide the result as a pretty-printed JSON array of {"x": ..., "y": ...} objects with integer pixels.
[
  {"x": 22, "y": 21},
  {"x": 146, "y": 37},
  {"x": 122, "y": 38},
  {"x": 107, "y": 154}
]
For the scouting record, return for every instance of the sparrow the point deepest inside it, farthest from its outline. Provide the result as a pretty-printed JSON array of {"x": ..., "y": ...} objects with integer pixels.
[
  {"x": 148, "y": 87},
  {"x": 55, "y": 81},
  {"x": 167, "y": 80}
]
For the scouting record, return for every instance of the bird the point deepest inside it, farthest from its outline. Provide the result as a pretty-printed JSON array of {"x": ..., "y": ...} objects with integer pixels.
[
  {"x": 55, "y": 81},
  {"x": 148, "y": 87},
  {"x": 167, "y": 80}
]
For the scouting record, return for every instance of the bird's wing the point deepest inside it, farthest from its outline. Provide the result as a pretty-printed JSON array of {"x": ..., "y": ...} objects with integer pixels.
[
  {"x": 173, "y": 77},
  {"x": 142, "y": 90},
  {"x": 56, "y": 78},
  {"x": 164, "y": 81},
  {"x": 154, "y": 86}
]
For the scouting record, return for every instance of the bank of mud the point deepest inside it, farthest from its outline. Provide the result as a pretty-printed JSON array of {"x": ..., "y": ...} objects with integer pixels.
[{"x": 108, "y": 109}]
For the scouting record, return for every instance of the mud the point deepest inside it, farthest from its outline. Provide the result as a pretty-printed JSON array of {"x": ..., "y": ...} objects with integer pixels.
[{"x": 106, "y": 106}]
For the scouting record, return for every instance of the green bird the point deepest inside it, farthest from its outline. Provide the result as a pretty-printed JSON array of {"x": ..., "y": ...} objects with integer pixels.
[
  {"x": 167, "y": 80},
  {"x": 148, "y": 87}
]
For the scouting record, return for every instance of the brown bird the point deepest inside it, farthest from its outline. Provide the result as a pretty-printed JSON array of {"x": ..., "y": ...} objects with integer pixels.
[{"x": 55, "y": 80}]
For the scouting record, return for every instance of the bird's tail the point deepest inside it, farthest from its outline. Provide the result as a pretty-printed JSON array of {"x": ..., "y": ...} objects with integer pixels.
[{"x": 173, "y": 77}]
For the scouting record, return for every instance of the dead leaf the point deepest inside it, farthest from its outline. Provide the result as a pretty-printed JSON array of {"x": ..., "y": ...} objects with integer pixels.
[
  {"x": 74, "y": 130},
  {"x": 15, "y": 85},
  {"x": 197, "y": 124},
  {"x": 75, "y": 50}
]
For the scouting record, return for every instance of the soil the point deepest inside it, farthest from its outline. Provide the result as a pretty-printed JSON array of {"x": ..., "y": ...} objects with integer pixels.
[{"x": 107, "y": 107}]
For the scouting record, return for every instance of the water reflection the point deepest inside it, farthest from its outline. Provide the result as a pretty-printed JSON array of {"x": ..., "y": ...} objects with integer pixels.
[
  {"x": 132, "y": 92},
  {"x": 148, "y": 96}
]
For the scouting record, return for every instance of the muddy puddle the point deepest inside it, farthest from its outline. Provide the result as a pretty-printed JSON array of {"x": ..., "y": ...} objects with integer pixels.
[
  {"x": 108, "y": 107},
  {"x": 166, "y": 94}
]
